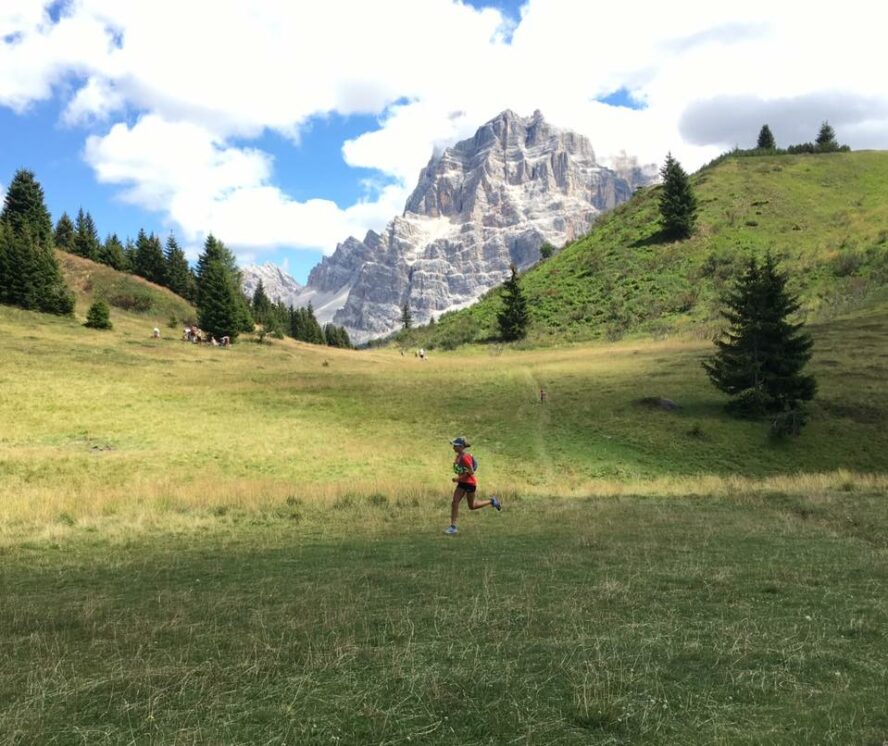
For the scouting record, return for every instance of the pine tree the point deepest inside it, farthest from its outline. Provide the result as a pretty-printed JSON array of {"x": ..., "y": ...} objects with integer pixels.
[
  {"x": 31, "y": 277},
  {"x": 216, "y": 251},
  {"x": 5, "y": 264},
  {"x": 336, "y": 336},
  {"x": 99, "y": 316},
  {"x": 546, "y": 250},
  {"x": 315, "y": 333},
  {"x": 149, "y": 261},
  {"x": 766, "y": 139},
  {"x": 86, "y": 237},
  {"x": 406, "y": 316},
  {"x": 218, "y": 304},
  {"x": 262, "y": 309},
  {"x": 24, "y": 207},
  {"x": 826, "y": 139},
  {"x": 513, "y": 318},
  {"x": 678, "y": 205},
  {"x": 129, "y": 254},
  {"x": 760, "y": 359},
  {"x": 112, "y": 254},
  {"x": 177, "y": 273},
  {"x": 295, "y": 323},
  {"x": 64, "y": 234}
]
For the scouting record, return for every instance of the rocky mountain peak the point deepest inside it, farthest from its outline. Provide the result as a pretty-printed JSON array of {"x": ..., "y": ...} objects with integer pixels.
[
  {"x": 479, "y": 206},
  {"x": 278, "y": 285}
]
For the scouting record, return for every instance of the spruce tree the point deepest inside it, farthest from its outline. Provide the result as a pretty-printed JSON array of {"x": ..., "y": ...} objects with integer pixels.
[
  {"x": 218, "y": 304},
  {"x": 177, "y": 273},
  {"x": 406, "y": 316},
  {"x": 315, "y": 332},
  {"x": 149, "y": 261},
  {"x": 759, "y": 360},
  {"x": 112, "y": 254},
  {"x": 336, "y": 336},
  {"x": 86, "y": 237},
  {"x": 24, "y": 207},
  {"x": 296, "y": 323},
  {"x": 513, "y": 318},
  {"x": 6, "y": 269},
  {"x": 64, "y": 234},
  {"x": 262, "y": 308},
  {"x": 99, "y": 316},
  {"x": 766, "y": 139},
  {"x": 826, "y": 139},
  {"x": 678, "y": 205},
  {"x": 129, "y": 255},
  {"x": 31, "y": 275},
  {"x": 215, "y": 250}
]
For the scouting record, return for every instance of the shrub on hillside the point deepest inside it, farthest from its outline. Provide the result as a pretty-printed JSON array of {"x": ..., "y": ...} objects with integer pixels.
[
  {"x": 847, "y": 263},
  {"x": 139, "y": 301},
  {"x": 98, "y": 316}
]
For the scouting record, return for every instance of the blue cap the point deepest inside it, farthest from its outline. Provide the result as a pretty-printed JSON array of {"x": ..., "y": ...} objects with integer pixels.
[{"x": 461, "y": 442}]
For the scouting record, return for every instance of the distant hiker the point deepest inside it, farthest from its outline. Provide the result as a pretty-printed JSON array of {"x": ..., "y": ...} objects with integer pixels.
[
  {"x": 213, "y": 341},
  {"x": 464, "y": 466},
  {"x": 421, "y": 353},
  {"x": 225, "y": 341},
  {"x": 156, "y": 333}
]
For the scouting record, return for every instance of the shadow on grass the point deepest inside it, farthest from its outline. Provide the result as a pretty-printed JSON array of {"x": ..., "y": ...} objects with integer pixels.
[{"x": 655, "y": 239}]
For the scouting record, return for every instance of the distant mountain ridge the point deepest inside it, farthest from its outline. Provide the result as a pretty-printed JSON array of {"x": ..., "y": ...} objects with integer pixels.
[
  {"x": 486, "y": 203},
  {"x": 277, "y": 284},
  {"x": 823, "y": 217}
]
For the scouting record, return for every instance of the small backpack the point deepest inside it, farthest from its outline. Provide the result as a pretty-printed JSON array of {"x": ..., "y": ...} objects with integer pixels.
[{"x": 474, "y": 462}]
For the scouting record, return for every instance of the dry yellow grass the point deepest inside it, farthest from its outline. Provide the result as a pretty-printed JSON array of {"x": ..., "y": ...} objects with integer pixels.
[{"x": 116, "y": 427}]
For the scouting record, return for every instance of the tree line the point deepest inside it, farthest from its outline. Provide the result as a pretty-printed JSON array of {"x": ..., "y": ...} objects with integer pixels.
[
  {"x": 766, "y": 144},
  {"x": 30, "y": 276},
  {"x": 279, "y": 319}
]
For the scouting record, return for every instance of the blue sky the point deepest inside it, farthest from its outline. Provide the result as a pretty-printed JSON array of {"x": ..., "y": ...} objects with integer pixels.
[{"x": 284, "y": 129}]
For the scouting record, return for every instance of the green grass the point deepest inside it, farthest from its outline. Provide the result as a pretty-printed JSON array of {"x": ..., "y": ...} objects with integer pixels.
[
  {"x": 741, "y": 620},
  {"x": 123, "y": 292},
  {"x": 244, "y": 546},
  {"x": 115, "y": 425},
  {"x": 825, "y": 217}
]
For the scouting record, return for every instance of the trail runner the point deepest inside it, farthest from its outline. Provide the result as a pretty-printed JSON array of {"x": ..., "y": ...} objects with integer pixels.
[{"x": 466, "y": 484}]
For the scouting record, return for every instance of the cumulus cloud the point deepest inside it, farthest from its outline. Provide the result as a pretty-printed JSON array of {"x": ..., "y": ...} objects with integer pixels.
[
  {"x": 432, "y": 72},
  {"x": 205, "y": 185},
  {"x": 735, "y": 120}
]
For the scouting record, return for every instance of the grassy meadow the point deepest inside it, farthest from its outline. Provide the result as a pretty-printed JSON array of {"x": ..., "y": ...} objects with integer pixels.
[
  {"x": 243, "y": 546},
  {"x": 824, "y": 217}
]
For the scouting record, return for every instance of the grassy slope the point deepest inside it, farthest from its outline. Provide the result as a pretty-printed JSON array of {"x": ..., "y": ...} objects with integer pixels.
[
  {"x": 92, "y": 281},
  {"x": 118, "y": 423},
  {"x": 243, "y": 546},
  {"x": 825, "y": 217}
]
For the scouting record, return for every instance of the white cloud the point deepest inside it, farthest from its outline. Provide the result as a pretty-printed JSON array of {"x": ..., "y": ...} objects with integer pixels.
[
  {"x": 433, "y": 71},
  {"x": 204, "y": 185}
]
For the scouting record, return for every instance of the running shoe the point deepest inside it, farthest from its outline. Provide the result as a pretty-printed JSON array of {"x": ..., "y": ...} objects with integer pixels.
[{"x": 496, "y": 503}]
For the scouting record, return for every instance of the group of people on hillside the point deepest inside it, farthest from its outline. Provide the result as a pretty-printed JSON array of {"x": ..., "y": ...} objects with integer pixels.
[{"x": 199, "y": 336}]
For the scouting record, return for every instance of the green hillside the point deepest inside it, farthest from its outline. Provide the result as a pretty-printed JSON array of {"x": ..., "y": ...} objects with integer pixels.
[
  {"x": 824, "y": 216},
  {"x": 131, "y": 298},
  {"x": 244, "y": 545}
]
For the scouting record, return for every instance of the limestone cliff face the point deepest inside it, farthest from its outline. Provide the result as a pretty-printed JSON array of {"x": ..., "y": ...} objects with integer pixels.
[
  {"x": 276, "y": 283},
  {"x": 479, "y": 206}
]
